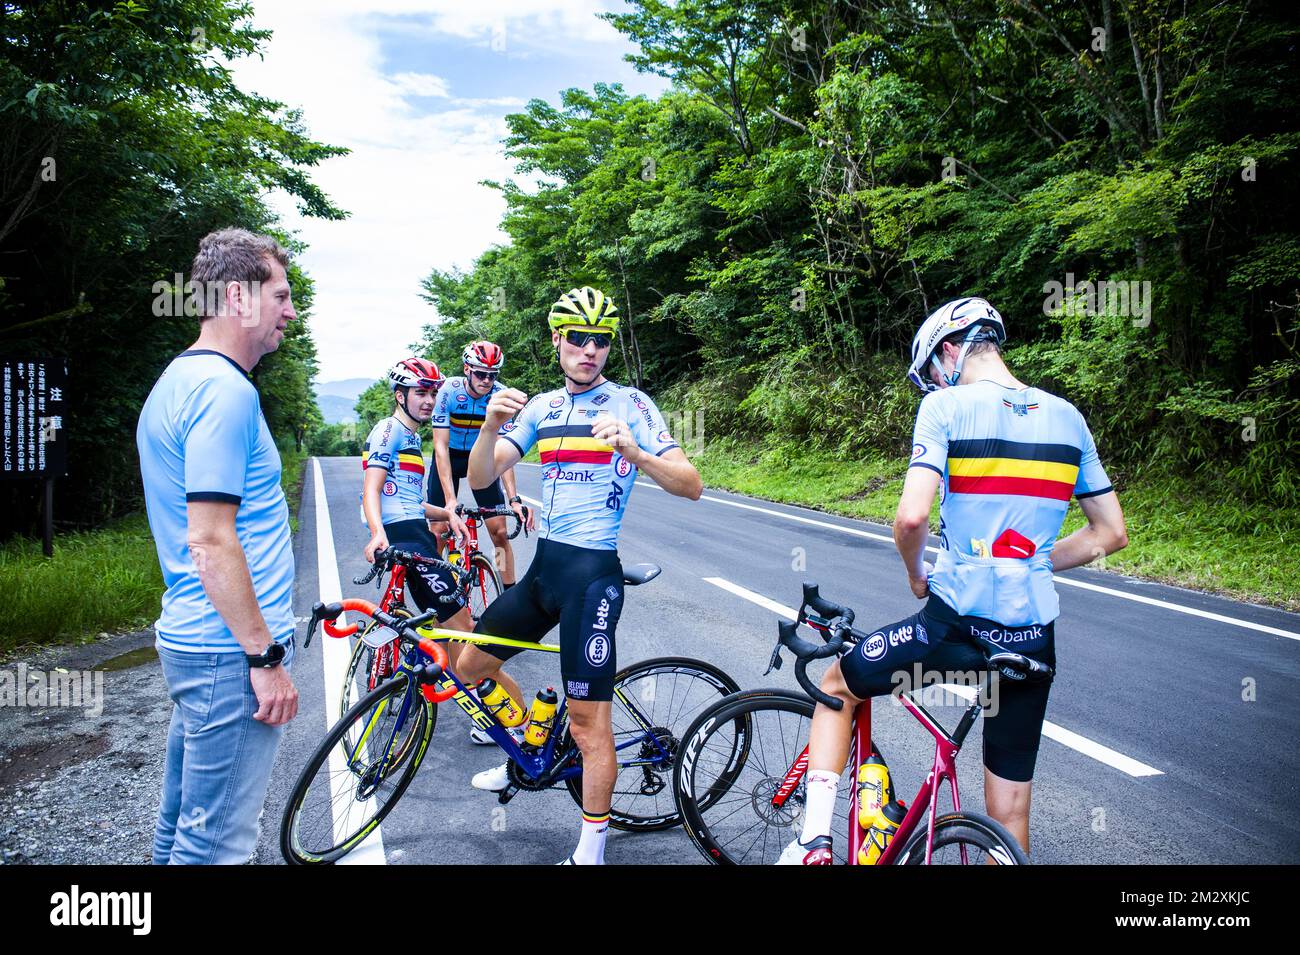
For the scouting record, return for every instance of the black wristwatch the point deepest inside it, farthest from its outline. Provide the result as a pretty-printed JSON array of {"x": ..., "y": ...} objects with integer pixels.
[
  {"x": 516, "y": 500},
  {"x": 269, "y": 658}
]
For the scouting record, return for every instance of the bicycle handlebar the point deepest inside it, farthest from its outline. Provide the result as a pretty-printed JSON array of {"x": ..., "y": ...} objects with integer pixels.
[
  {"x": 836, "y": 626},
  {"x": 392, "y": 555},
  {"x": 500, "y": 510}
]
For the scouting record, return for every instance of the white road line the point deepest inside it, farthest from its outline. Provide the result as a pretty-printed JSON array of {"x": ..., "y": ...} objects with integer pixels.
[
  {"x": 776, "y": 608},
  {"x": 1081, "y": 744},
  {"x": 335, "y": 653},
  {"x": 1069, "y": 582}
]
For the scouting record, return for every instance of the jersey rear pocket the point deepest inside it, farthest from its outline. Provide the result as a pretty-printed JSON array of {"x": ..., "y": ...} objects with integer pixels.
[{"x": 1012, "y": 591}]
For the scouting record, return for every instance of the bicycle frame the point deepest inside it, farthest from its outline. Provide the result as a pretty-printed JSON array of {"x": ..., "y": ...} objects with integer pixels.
[
  {"x": 539, "y": 765},
  {"x": 942, "y": 769}
]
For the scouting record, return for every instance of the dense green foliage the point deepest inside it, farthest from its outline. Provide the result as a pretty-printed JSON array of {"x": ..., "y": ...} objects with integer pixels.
[
  {"x": 124, "y": 142},
  {"x": 822, "y": 174}
]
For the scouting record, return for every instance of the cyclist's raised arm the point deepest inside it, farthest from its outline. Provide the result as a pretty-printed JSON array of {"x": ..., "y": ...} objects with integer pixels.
[
  {"x": 489, "y": 458},
  {"x": 673, "y": 472},
  {"x": 1104, "y": 533},
  {"x": 641, "y": 435}
]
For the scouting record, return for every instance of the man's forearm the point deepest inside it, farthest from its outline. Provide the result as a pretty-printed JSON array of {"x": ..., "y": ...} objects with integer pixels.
[
  {"x": 1081, "y": 547},
  {"x": 910, "y": 541},
  {"x": 442, "y": 464},
  {"x": 508, "y": 483},
  {"x": 676, "y": 477},
  {"x": 482, "y": 460},
  {"x": 223, "y": 571}
]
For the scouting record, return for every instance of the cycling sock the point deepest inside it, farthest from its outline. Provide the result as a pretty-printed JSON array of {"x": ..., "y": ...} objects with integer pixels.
[
  {"x": 819, "y": 803},
  {"x": 591, "y": 844}
]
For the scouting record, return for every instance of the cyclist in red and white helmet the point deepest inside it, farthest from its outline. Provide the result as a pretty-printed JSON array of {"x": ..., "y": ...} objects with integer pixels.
[
  {"x": 462, "y": 403},
  {"x": 392, "y": 496}
]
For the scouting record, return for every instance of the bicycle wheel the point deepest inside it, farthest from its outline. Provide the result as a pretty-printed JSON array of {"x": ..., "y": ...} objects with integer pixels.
[
  {"x": 357, "y": 773},
  {"x": 361, "y": 678},
  {"x": 734, "y": 759},
  {"x": 965, "y": 838},
  {"x": 654, "y": 701},
  {"x": 485, "y": 584}
]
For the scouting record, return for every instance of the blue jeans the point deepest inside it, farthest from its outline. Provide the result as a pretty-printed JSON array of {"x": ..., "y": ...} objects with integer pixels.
[{"x": 218, "y": 761}]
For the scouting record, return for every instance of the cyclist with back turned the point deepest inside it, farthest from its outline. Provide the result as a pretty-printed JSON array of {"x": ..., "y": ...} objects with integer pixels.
[
  {"x": 594, "y": 436},
  {"x": 1006, "y": 459}
]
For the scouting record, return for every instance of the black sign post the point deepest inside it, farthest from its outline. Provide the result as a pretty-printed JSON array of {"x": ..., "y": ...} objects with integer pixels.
[{"x": 32, "y": 401}]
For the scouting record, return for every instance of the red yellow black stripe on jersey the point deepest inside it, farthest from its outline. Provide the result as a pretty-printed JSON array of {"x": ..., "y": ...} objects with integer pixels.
[
  {"x": 994, "y": 466},
  {"x": 405, "y": 462},
  {"x": 468, "y": 421},
  {"x": 572, "y": 444}
]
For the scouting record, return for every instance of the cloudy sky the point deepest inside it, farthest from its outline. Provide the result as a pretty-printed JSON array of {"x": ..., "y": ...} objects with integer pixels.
[{"x": 418, "y": 90}]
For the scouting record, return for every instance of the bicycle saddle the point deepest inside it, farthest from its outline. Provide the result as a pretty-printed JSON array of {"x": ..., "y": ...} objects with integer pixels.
[{"x": 634, "y": 574}]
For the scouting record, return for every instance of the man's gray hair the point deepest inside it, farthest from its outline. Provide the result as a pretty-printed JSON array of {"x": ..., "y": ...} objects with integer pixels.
[{"x": 231, "y": 255}]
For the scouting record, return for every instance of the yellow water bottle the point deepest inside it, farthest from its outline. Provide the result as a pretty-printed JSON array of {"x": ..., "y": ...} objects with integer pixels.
[
  {"x": 541, "y": 716},
  {"x": 881, "y": 832},
  {"x": 497, "y": 701},
  {"x": 874, "y": 789}
]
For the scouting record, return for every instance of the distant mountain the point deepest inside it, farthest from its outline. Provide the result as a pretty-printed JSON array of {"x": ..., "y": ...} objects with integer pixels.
[
  {"x": 349, "y": 388},
  {"x": 336, "y": 410}
]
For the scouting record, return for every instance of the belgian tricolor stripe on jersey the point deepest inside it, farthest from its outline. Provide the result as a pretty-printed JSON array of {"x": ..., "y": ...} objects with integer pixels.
[
  {"x": 572, "y": 444},
  {"x": 469, "y": 421},
  {"x": 994, "y": 466},
  {"x": 410, "y": 462}
]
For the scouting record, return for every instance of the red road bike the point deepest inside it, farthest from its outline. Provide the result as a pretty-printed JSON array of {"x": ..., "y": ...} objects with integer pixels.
[{"x": 740, "y": 777}]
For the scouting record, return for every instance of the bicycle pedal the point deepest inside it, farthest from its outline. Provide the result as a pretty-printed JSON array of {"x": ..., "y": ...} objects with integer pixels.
[{"x": 507, "y": 794}]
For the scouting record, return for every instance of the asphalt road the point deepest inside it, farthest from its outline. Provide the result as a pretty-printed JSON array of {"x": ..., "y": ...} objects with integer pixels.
[{"x": 1170, "y": 739}]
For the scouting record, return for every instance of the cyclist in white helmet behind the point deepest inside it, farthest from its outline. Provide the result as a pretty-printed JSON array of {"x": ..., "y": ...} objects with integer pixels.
[
  {"x": 457, "y": 417},
  {"x": 1005, "y": 458},
  {"x": 594, "y": 437},
  {"x": 392, "y": 496}
]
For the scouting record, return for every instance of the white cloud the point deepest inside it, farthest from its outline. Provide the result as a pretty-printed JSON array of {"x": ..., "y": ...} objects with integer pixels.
[
  {"x": 411, "y": 180},
  {"x": 421, "y": 84}
]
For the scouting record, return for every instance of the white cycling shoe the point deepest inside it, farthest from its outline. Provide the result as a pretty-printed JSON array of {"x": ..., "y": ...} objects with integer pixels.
[
  {"x": 491, "y": 780},
  {"x": 816, "y": 852},
  {"x": 480, "y": 737}
]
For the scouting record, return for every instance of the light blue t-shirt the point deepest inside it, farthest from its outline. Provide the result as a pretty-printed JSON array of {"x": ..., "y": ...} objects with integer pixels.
[
  {"x": 202, "y": 437},
  {"x": 1010, "y": 459}
]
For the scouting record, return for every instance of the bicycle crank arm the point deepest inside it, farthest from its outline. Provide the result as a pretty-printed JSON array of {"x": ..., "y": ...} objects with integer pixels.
[{"x": 507, "y": 794}]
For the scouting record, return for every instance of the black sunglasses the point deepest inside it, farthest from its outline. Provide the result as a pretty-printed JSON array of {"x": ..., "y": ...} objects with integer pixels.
[
  {"x": 579, "y": 339},
  {"x": 485, "y": 375}
]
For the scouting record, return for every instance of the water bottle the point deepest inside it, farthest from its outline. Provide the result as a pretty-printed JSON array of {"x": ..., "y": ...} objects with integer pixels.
[{"x": 874, "y": 789}]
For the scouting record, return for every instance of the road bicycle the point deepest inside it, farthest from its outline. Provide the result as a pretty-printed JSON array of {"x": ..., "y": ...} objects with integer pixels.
[
  {"x": 369, "y": 665},
  {"x": 369, "y": 757},
  {"x": 740, "y": 779},
  {"x": 485, "y": 582},
  {"x": 477, "y": 582}
]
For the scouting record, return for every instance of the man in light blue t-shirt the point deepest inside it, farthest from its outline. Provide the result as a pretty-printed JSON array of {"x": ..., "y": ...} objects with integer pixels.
[{"x": 211, "y": 476}]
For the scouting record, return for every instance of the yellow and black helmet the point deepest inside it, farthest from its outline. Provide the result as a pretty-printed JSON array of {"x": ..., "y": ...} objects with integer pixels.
[{"x": 584, "y": 308}]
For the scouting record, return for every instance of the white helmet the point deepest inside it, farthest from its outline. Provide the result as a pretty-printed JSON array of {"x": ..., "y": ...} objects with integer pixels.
[{"x": 975, "y": 314}]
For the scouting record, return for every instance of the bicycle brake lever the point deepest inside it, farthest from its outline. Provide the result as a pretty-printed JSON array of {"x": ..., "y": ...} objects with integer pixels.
[{"x": 776, "y": 661}]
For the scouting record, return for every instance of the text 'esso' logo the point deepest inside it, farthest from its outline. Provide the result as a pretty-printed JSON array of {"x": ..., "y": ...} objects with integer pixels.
[
  {"x": 597, "y": 649},
  {"x": 389, "y": 489},
  {"x": 462, "y": 399},
  {"x": 557, "y": 401},
  {"x": 622, "y": 466},
  {"x": 873, "y": 648}
]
